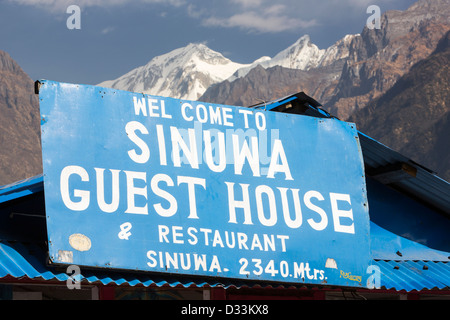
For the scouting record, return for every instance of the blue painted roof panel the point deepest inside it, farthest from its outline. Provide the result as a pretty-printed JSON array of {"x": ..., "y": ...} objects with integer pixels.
[
  {"x": 386, "y": 245},
  {"x": 21, "y": 188},
  {"x": 414, "y": 275},
  {"x": 20, "y": 260}
]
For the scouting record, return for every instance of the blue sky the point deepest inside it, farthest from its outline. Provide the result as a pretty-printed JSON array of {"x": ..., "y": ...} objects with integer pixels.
[{"x": 119, "y": 35}]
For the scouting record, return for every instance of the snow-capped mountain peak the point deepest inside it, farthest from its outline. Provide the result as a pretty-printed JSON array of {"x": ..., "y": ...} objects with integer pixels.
[
  {"x": 183, "y": 73},
  {"x": 186, "y": 73},
  {"x": 301, "y": 55},
  {"x": 305, "y": 55}
]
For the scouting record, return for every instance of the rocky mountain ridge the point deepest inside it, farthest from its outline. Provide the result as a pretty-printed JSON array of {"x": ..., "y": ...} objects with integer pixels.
[
  {"x": 20, "y": 156},
  {"x": 413, "y": 116},
  {"x": 368, "y": 65},
  {"x": 378, "y": 58}
]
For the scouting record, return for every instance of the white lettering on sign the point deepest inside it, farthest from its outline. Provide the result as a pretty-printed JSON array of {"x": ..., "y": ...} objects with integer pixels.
[
  {"x": 247, "y": 203},
  {"x": 156, "y": 108},
  {"x": 130, "y": 130},
  {"x": 213, "y": 115},
  {"x": 243, "y": 152},
  {"x": 83, "y": 196},
  {"x": 168, "y": 172},
  {"x": 239, "y": 203}
]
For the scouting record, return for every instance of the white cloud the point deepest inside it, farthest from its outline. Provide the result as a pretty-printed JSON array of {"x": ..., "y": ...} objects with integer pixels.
[
  {"x": 195, "y": 12},
  {"x": 258, "y": 16},
  {"x": 175, "y": 3},
  {"x": 58, "y": 6},
  {"x": 248, "y": 3},
  {"x": 254, "y": 21},
  {"x": 107, "y": 30},
  {"x": 261, "y": 16},
  {"x": 61, "y": 5}
]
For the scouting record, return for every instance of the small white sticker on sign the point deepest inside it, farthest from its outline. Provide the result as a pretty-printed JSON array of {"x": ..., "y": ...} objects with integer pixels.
[
  {"x": 331, "y": 263},
  {"x": 80, "y": 242},
  {"x": 65, "y": 256}
]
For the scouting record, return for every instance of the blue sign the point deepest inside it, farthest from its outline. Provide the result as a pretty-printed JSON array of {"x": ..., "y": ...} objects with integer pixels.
[{"x": 155, "y": 184}]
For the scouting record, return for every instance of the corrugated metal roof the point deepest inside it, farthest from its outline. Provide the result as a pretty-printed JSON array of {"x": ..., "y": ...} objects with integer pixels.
[
  {"x": 413, "y": 275},
  {"x": 425, "y": 185},
  {"x": 19, "y": 260},
  {"x": 27, "y": 261},
  {"x": 386, "y": 245}
]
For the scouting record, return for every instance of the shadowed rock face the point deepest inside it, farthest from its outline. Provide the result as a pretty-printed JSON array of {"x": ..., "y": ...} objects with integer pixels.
[
  {"x": 413, "y": 117},
  {"x": 20, "y": 155},
  {"x": 369, "y": 73}
]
